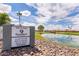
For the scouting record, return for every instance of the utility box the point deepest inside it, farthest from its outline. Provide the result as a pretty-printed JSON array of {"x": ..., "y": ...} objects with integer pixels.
[{"x": 17, "y": 36}]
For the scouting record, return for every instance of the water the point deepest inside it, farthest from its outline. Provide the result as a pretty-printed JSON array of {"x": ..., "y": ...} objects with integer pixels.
[{"x": 69, "y": 40}]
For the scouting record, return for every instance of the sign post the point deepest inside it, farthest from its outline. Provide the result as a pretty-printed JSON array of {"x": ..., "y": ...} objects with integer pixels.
[{"x": 19, "y": 14}]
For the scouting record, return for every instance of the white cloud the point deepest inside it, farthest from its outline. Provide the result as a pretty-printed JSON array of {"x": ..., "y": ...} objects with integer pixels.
[
  {"x": 57, "y": 9},
  {"x": 75, "y": 27},
  {"x": 45, "y": 12},
  {"x": 26, "y": 13},
  {"x": 48, "y": 10},
  {"x": 75, "y": 19},
  {"x": 29, "y": 24},
  {"x": 16, "y": 22},
  {"x": 42, "y": 20},
  {"x": 13, "y": 19},
  {"x": 54, "y": 27},
  {"x": 32, "y": 4},
  {"x": 5, "y": 8}
]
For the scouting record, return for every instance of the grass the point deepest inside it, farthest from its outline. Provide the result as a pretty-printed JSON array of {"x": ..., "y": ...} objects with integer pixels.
[
  {"x": 68, "y": 33},
  {"x": 38, "y": 36}
]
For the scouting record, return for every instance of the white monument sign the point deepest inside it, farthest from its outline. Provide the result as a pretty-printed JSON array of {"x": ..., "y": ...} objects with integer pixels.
[
  {"x": 20, "y": 36},
  {"x": 17, "y": 36}
]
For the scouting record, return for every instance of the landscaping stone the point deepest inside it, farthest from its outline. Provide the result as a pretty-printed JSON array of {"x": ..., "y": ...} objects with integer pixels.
[{"x": 42, "y": 48}]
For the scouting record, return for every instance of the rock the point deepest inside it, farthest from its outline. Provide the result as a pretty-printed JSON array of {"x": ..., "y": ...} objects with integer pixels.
[
  {"x": 26, "y": 55},
  {"x": 43, "y": 48},
  {"x": 31, "y": 53}
]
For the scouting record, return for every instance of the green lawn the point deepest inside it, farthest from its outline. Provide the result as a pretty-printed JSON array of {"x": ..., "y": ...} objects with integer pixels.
[
  {"x": 68, "y": 33},
  {"x": 38, "y": 35}
]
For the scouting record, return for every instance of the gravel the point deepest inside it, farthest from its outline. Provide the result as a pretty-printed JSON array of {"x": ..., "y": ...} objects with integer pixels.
[{"x": 42, "y": 48}]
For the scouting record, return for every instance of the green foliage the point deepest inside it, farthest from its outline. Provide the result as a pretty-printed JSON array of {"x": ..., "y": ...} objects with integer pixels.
[
  {"x": 4, "y": 19},
  {"x": 40, "y": 28}
]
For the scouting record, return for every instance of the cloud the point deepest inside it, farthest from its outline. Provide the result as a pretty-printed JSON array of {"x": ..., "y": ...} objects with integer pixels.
[
  {"x": 49, "y": 10},
  {"x": 42, "y": 20},
  {"x": 5, "y": 8},
  {"x": 75, "y": 27},
  {"x": 12, "y": 19},
  {"x": 16, "y": 22},
  {"x": 32, "y": 4},
  {"x": 59, "y": 11},
  {"x": 75, "y": 19},
  {"x": 55, "y": 27},
  {"x": 26, "y": 13},
  {"x": 29, "y": 24},
  {"x": 46, "y": 12}
]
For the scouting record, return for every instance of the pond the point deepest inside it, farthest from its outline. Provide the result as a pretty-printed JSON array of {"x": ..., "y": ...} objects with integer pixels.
[{"x": 70, "y": 40}]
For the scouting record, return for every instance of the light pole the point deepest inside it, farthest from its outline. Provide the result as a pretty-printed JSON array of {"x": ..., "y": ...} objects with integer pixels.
[{"x": 19, "y": 14}]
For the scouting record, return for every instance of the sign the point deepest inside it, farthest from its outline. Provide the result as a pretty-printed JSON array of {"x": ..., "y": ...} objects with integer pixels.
[
  {"x": 17, "y": 36},
  {"x": 20, "y": 36}
]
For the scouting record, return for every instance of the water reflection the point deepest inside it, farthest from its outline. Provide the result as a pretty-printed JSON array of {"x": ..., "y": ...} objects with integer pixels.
[{"x": 70, "y": 40}]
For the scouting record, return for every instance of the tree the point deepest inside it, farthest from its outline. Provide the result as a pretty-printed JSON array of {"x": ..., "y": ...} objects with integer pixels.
[
  {"x": 4, "y": 19},
  {"x": 40, "y": 28}
]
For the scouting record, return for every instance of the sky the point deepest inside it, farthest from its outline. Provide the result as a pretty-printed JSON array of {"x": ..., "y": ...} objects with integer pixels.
[{"x": 53, "y": 16}]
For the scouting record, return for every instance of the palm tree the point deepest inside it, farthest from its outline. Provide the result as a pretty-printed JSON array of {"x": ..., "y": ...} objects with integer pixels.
[{"x": 4, "y": 19}]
